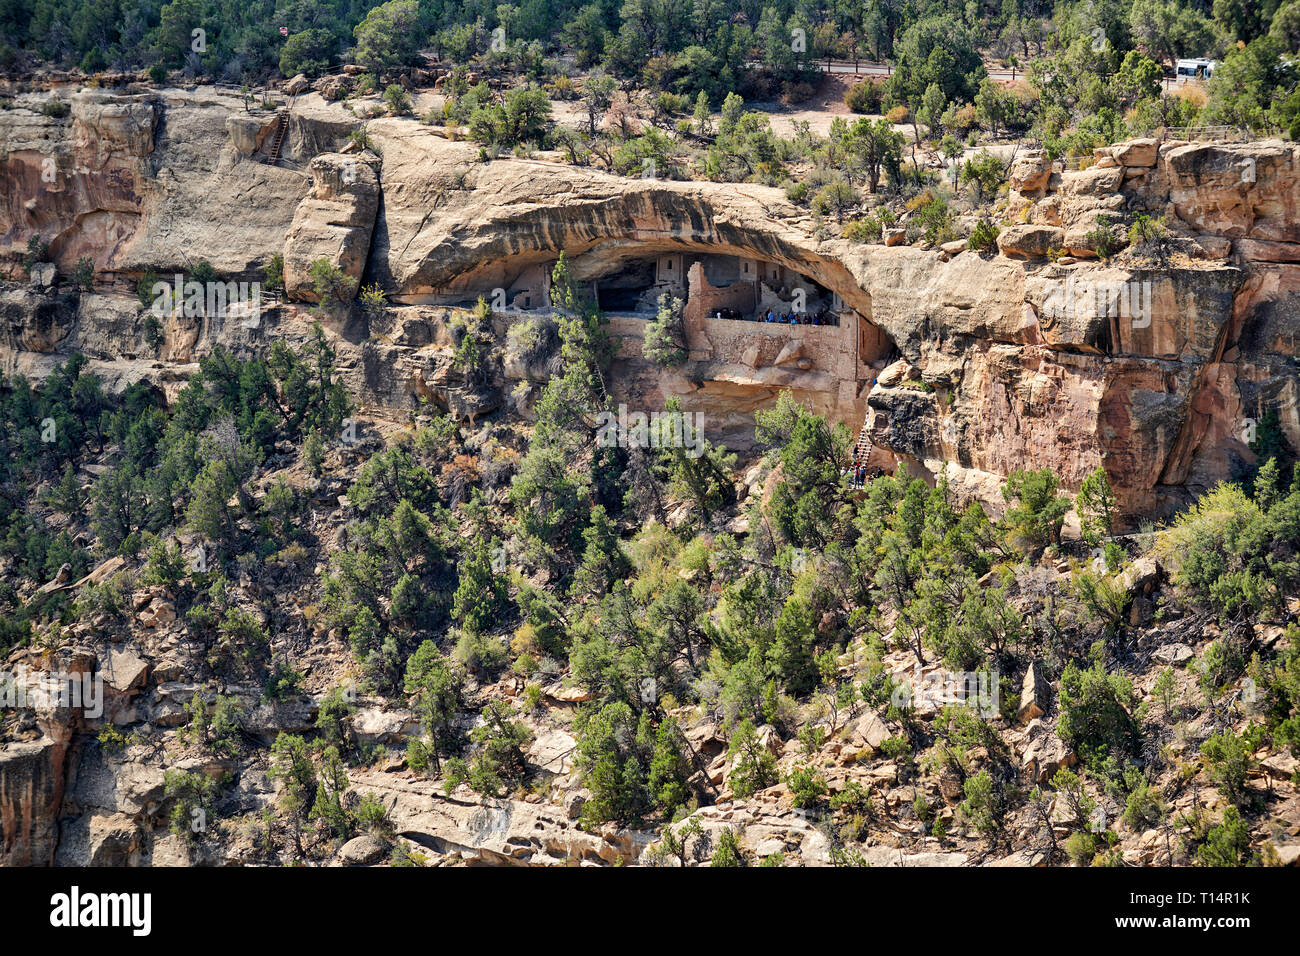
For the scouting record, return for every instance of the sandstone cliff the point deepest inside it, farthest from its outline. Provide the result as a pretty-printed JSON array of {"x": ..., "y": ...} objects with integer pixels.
[{"x": 1010, "y": 359}]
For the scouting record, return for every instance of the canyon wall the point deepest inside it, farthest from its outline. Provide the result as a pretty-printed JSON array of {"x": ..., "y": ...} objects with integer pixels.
[{"x": 1154, "y": 366}]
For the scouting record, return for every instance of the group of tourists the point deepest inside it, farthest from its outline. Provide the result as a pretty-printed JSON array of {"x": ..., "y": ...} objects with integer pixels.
[
  {"x": 856, "y": 473},
  {"x": 822, "y": 317}
]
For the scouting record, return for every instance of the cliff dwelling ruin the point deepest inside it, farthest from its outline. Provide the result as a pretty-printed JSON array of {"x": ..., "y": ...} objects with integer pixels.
[
  {"x": 753, "y": 327},
  {"x": 941, "y": 358}
]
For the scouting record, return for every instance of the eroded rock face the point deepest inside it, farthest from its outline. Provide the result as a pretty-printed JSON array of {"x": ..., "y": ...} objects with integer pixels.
[
  {"x": 31, "y": 793},
  {"x": 32, "y": 321},
  {"x": 1235, "y": 190},
  {"x": 334, "y": 222},
  {"x": 496, "y": 832},
  {"x": 1150, "y": 369},
  {"x": 77, "y": 181}
]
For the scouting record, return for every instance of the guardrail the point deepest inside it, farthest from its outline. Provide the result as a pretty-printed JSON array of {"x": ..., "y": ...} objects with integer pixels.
[
  {"x": 1228, "y": 133},
  {"x": 870, "y": 67}
]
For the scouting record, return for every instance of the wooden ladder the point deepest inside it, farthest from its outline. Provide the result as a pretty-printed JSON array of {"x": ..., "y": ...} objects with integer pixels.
[
  {"x": 281, "y": 128},
  {"x": 862, "y": 448}
]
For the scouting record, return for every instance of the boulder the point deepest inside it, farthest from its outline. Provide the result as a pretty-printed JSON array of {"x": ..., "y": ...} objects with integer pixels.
[
  {"x": 1093, "y": 181},
  {"x": 770, "y": 740},
  {"x": 298, "y": 85},
  {"x": 574, "y": 802},
  {"x": 374, "y": 725},
  {"x": 886, "y": 856},
  {"x": 1044, "y": 756},
  {"x": 496, "y": 831},
  {"x": 247, "y": 132},
  {"x": 1142, "y": 576},
  {"x": 1035, "y": 694},
  {"x": 1030, "y": 241},
  {"x": 1136, "y": 152},
  {"x": 896, "y": 374},
  {"x": 158, "y": 613},
  {"x": 870, "y": 731},
  {"x": 1021, "y": 858},
  {"x": 1289, "y": 854},
  {"x": 1081, "y": 238},
  {"x": 790, "y": 352},
  {"x": 363, "y": 850},
  {"x": 43, "y": 274},
  {"x": 331, "y": 88},
  {"x": 1030, "y": 172},
  {"x": 895, "y": 236},
  {"x": 1173, "y": 654},
  {"x": 552, "y": 751},
  {"x": 125, "y": 670},
  {"x": 334, "y": 222}
]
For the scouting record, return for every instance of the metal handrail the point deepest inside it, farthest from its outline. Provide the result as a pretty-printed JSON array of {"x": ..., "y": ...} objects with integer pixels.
[{"x": 1209, "y": 132}]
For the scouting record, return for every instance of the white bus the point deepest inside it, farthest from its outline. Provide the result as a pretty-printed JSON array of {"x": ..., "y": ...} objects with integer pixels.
[{"x": 1194, "y": 70}]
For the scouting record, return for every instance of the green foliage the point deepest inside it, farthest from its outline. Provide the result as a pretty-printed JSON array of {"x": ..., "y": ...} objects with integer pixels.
[
  {"x": 524, "y": 116},
  {"x": 835, "y": 199},
  {"x": 807, "y": 787},
  {"x": 113, "y": 741},
  {"x": 275, "y": 271},
  {"x": 864, "y": 97},
  {"x": 310, "y": 52},
  {"x": 1081, "y": 847},
  {"x": 753, "y": 767},
  {"x": 387, "y": 38},
  {"x": 985, "y": 805},
  {"x": 1145, "y": 808},
  {"x": 498, "y": 760},
  {"x": 144, "y": 287},
  {"x": 1227, "y": 844},
  {"x": 193, "y": 796},
  {"x": 480, "y": 597},
  {"x": 1230, "y": 758},
  {"x": 83, "y": 274},
  {"x": 1036, "y": 513},
  {"x": 1097, "y": 714},
  {"x": 629, "y": 765},
  {"x": 1095, "y": 505},
  {"x": 728, "y": 851},
  {"x": 434, "y": 689},
  {"x": 373, "y": 300},
  {"x": 283, "y": 682},
  {"x": 1103, "y": 597},
  {"x": 331, "y": 719},
  {"x": 932, "y": 217},
  {"x": 665, "y": 334},
  {"x": 292, "y": 767},
  {"x": 38, "y": 250},
  {"x": 983, "y": 236},
  {"x": 935, "y": 50},
  {"x": 397, "y": 99},
  {"x": 1101, "y": 238},
  {"x": 1228, "y": 552},
  {"x": 983, "y": 172},
  {"x": 153, "y": 331},
  {"x": 330, "y": 283}
]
